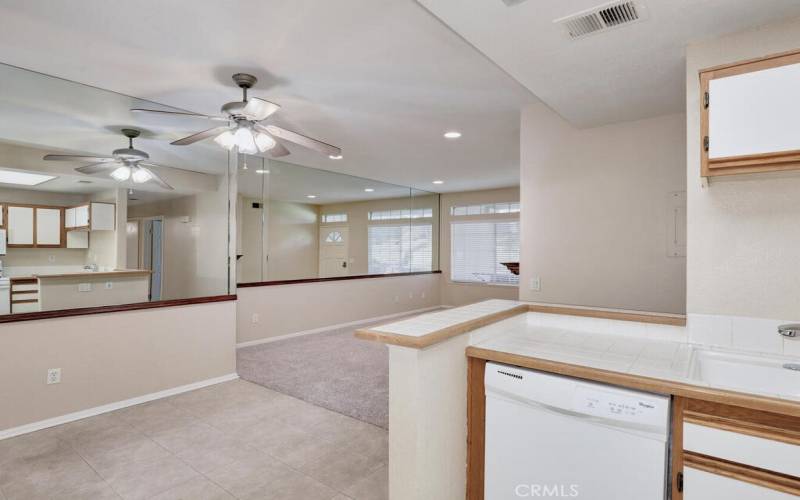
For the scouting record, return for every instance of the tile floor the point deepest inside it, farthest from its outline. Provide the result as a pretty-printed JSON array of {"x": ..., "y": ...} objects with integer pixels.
[{"x": 231, "y": 440}]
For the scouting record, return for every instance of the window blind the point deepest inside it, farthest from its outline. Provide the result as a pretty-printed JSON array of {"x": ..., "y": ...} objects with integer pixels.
[
  {"x": 478, "y": 248},
  {"x": 400, "y": 248}
]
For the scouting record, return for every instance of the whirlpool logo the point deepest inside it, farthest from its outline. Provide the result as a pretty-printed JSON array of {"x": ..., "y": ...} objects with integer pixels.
[{"x": 546, "y": 491}]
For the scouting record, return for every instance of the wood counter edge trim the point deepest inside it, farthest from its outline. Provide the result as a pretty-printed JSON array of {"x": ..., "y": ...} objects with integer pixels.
[
  {"x": 256, "y": 284},
  {"x": 648, "y": 384},
  {"x": 753, "y": 475},
  {"x": 467, "y": 326},
  {"x": 87, "y": 311},
  {"x": 439, "y": 335}
]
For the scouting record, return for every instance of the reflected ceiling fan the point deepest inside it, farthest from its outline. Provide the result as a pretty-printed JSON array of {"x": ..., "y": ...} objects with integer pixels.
[
  {"x": 123, "y": 164},
  {"x": 245, "y": 130}
]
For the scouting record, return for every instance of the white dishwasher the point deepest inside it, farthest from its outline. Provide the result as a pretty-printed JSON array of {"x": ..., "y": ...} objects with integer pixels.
[{"x": 558, "y": 437}]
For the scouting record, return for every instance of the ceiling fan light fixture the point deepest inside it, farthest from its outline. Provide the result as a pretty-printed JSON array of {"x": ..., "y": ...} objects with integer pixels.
[
  {"x": 226, "y": 140},
  {"x": 245, "y": 141},
  {"x": 141, "y": 175},
  {"x": 121, "y": 174},
  {"x": 264, "y": 142}
]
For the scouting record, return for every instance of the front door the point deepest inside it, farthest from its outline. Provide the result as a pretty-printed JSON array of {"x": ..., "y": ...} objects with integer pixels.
[{"x": 333, "y": 251}]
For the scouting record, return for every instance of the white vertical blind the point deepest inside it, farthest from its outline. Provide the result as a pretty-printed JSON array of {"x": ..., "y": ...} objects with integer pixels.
[
  {"x": 479, "y": 248},
  {"x": 400, "y": 248}
]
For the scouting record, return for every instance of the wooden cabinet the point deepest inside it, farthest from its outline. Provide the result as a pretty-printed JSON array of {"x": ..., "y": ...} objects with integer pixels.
[
  {"x": 48, "y": 227},
  {"x": 21, "y": 226},
  {"x": 77, "y": 239},
  {"x": 737, "y": 453},
  {"x": 748, "y": 116},
  {"x": 94, "y": 216}
]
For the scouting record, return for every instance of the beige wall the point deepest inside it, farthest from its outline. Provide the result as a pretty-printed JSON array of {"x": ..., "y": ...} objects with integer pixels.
[
  {"x": 458, "y": 294},
  {"x": 595, "y": 211},
  {"x": 107, "y": 358},
  {"x": 195, "y": 252},
  {"x": 358, "y": 224},
  {"x": 286, "y": 309},
  {"x": 743, "y": 232},
  {"x": 62, "y": 293},
  {"x": 293, "y": 241}
]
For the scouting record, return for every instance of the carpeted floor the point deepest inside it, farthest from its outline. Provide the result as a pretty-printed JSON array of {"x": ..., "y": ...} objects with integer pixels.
[{"x": 332, "y": 369}]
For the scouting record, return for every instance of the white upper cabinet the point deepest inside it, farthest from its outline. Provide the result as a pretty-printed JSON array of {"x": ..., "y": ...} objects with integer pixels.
[
  {"x": 48, "y": 226},
  {"x": 754, "y": 113},
  {"x": 749, "y": 116},
  {"x": 82, "y": 216},
  {"x": 103, "y": 216},
  {"x": 20, "y": 225}
]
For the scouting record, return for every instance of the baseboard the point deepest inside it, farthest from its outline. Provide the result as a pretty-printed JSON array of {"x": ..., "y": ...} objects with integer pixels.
[
  {"x": 333, "y": 327},
  {"x": 97, "y": 410}
]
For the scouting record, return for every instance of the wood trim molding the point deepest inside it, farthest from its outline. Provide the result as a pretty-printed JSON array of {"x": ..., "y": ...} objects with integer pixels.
[
  {"x": 745, "y": 164},
  {"x": 439, "y": 335},
  {"x": 681, "y": 389},
  {"x": 639, "y": 317},
  {"x": 99, "y": 274},
  {"x": 740, "y": 472},
  {"x": 476, "y": 428},
  {"x": 757, "y": 423},
  {"x": 85, "y": 311},
  {"x": 337, "y": 278}
]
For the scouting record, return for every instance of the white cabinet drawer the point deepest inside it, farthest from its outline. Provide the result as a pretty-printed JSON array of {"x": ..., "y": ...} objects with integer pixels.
[
  {"x": 22, "y": 287},
  {"x": 702, "y": 485},
  {"x": 758, "y": 452},
  {"x": 25, "y": 307}
]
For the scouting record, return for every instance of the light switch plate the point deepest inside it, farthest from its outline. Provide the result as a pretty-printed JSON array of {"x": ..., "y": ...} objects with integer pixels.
[
  {"x": 109, "y": 285},
  {"x": 535, "y": 284},
  {"x": 84, "y": 287}
]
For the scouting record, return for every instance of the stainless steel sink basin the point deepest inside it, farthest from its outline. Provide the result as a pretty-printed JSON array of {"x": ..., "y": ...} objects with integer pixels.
[{"x": 758, "y": 374}]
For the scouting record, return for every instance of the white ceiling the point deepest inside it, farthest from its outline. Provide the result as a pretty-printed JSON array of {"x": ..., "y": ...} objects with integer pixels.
[
  {"x": 383, "y": 79},
  {"x": 627, "y": 73}
]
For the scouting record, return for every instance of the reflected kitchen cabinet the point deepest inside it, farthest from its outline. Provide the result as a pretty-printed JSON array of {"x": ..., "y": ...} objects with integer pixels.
[
  {"x": 94, "y": 216},
  {"x": 48, "y": 227},
  {"x": 32, "y": 226},
  {"x": 20, "y": 226}
]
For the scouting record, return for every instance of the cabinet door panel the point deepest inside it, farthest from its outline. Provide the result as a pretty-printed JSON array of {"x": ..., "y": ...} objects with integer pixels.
[
  {"x": 102, "y": 216},
  {"x": 702, "y": 485},
  {"x": 754, "y": 113},
  {"x": 48, "y": 226},
  {"x": 20, "y": 225},
  {"x": 82, "y": 216}
]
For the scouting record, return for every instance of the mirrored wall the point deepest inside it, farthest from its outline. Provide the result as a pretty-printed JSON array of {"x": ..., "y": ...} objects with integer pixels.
[
  {"x": 301, "y": 223},
  {"x": 100, "y": 229}
]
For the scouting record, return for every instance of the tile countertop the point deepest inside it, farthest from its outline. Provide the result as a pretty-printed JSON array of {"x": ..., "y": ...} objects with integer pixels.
[{"x": 661, "y": 355}]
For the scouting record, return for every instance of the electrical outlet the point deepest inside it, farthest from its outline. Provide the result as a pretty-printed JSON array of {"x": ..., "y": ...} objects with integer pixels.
[
  {"x": 256, "y": 318},
  {"x": 109, "y": 285},
  {"x": 84, "y": 287},
  {"x": 51, "y": 258},
  {"x": 53, "y": 376},
  {"x": 536, "y": 284}
]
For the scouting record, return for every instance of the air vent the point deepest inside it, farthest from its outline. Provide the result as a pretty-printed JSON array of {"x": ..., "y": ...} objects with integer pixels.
[{"x": 602, "y": 18}]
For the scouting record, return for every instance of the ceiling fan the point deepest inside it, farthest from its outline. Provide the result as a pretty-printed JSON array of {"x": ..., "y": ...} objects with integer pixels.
[
  {"x": 123, "y": 164},
  {"x": 244, "y": 129}
]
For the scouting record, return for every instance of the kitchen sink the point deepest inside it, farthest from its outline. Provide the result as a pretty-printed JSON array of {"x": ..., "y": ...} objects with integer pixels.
[{"x": 759, "y": 374}]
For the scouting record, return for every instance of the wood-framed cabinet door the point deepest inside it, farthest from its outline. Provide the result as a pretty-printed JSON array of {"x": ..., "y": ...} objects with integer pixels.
[
  {"x": 21, "y": 231},
  {"x": 49, "y": 227}
]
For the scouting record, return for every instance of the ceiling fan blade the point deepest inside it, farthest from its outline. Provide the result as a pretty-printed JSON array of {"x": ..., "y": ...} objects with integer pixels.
[
  {"x": 205, "y": 134},
  {"x": 259, "y": 109},
  {"x": 96, "y": 168},
  {"x": 306, "y": 142},
  {"x": 181, "y": 113},
  {"x": 96, "y": 159},
  {"x": 155, "y": 178},
  {"x": 278, "y": 150}
]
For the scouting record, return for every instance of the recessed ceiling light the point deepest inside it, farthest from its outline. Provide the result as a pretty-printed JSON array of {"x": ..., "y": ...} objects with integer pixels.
[
  {"x": 335, "y": 157},
  {"x": 438, "y": 182},
  {"x": 23, "y": 178},
  {"x": 453, "y": 134},
  {"x": 369, "y": 190},
  {"x": 311, "y": 196},
  {"x": 260, "y": 171}
]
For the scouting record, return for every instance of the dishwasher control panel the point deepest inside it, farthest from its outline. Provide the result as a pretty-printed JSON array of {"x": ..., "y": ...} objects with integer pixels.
[{"x": 618, "y": 406}]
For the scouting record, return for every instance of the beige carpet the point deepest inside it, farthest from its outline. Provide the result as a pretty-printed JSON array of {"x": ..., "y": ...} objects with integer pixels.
[{"x": 332, "y": 369}]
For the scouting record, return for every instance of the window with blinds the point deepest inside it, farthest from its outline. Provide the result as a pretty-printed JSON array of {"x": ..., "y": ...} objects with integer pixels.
[
  {"x": 478, "y": 250},
  {"x": 400, "y": 248}
]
